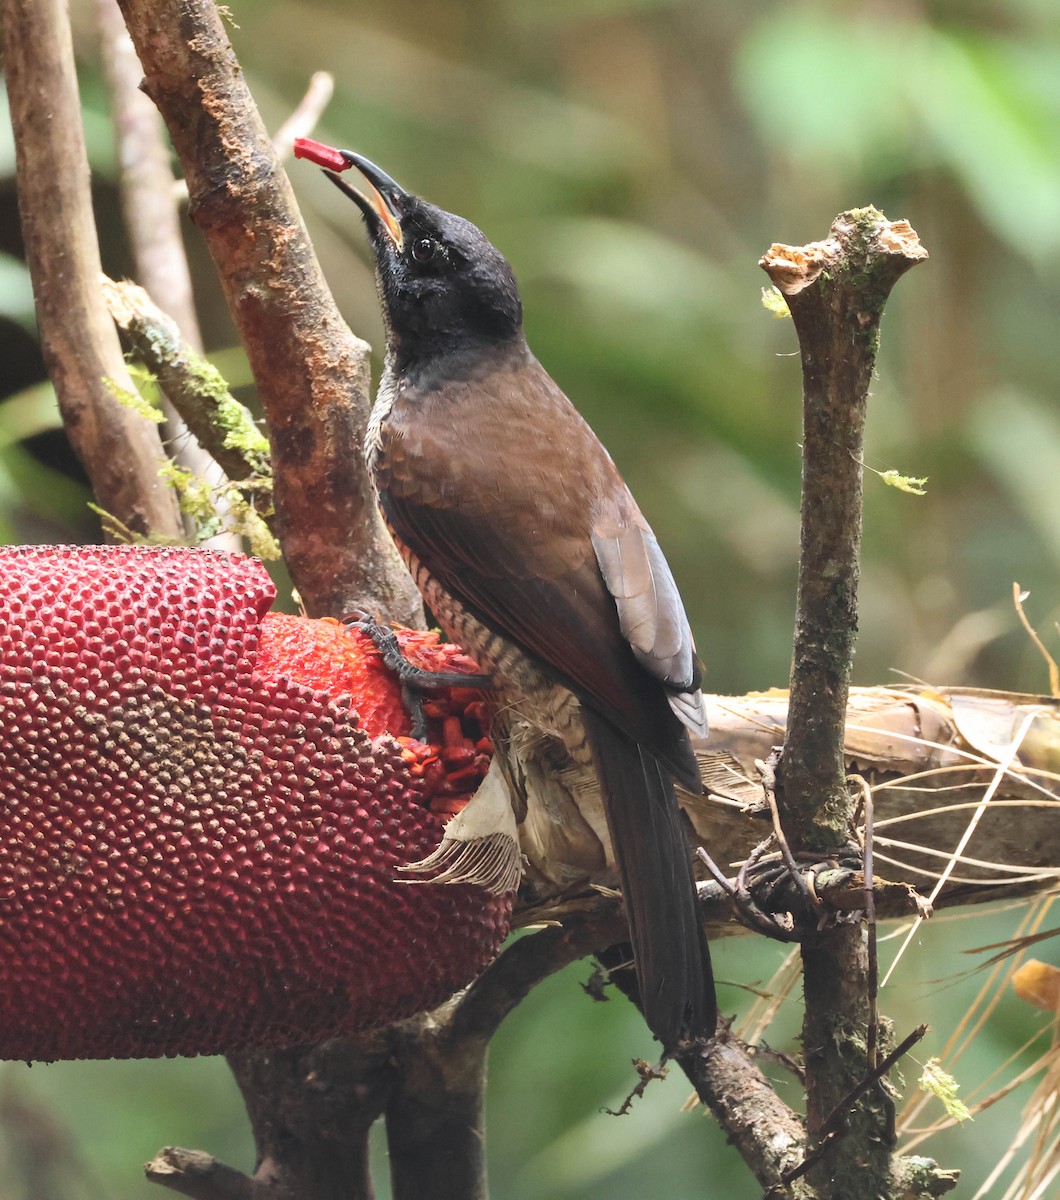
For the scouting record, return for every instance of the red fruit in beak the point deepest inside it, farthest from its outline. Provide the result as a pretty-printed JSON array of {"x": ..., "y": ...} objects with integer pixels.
[{"x": 199, "y": 844}]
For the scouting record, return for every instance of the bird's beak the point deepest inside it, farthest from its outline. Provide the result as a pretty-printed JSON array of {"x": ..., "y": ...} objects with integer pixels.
[
  {"x": 383, "y": 199},
  {"x": 380, "y": 201}
]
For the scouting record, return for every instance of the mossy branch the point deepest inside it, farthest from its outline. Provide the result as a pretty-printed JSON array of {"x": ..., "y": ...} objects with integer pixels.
[{"x": 193, "y": 385}]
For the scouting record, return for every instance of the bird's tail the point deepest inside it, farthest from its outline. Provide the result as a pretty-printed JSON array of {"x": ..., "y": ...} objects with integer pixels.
[{"x": 669, "y": 945}]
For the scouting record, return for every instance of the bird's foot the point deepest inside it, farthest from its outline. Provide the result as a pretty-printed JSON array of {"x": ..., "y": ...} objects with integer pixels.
[{"x": 414, "y": 680}]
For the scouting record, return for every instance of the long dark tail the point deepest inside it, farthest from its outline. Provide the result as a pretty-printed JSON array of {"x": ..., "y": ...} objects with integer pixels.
[{"x": 669, "y": 945}]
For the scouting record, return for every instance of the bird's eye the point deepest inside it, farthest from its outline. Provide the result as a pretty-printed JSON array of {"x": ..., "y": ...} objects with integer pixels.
[{"x": 423, "y": 249}]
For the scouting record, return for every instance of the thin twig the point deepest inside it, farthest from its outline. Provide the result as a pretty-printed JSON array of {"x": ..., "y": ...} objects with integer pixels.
[
  {"x": 304, "y": 118},
  {"x": 873, "y": 1031},
  {"x": 1032, "y": 633},
  {"x": 832, "y": 1121},
  {"x": 648, "y": 1073},
  {"x": 716, "y": 871},
  {"x": 200, "y": 1176},
  {"x": 770, "y": 788},
  {"x": 832, "y": 1129}
]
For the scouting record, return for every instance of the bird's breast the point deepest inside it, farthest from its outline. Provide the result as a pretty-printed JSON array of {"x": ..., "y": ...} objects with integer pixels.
[{"x": 521, "y": 684}]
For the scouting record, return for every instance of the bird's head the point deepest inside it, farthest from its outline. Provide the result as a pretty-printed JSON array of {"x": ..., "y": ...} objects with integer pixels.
[{"x": 445, "y": 289}]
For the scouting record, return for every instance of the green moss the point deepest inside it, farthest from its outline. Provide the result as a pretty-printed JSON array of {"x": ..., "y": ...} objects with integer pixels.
[
  {"x": 232, "y": 419},
  {"x": 135, "y": 399},
  {"x": 774, "y": 303},
  {"x": 217, "y": 510}
]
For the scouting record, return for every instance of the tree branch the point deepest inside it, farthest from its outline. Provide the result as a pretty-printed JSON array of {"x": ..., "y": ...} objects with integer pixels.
[
  {"x": 435, "y": 1114},
  {"x": 200, "y": 1176},
  {"x": 121, "y": 451},
  {"x": 768, "y": 1134},
  {"x": 152, "y": 221},
  {"x": 524, "y": 964},
  {"x": 311, "y": 1109},
  {"x": 219, "y": 422},
  {"x": 312, "y": 373},
  {"x": 149, "y": 210},
  {"x": 836, "y": 291}
]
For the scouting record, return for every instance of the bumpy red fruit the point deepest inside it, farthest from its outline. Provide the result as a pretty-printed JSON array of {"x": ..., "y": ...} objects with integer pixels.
[
  {"x": 345, "y": 663},
  {"x": 196, "y": 855}
]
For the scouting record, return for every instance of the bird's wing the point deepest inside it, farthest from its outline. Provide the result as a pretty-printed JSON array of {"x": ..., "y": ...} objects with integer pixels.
[
  {"x": 650, "y": 613},
  {"x": 546, "y": 545}
]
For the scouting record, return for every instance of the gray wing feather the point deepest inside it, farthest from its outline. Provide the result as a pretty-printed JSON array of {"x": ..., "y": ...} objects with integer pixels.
[
  {"x": 691, "y": 710},
  {"x": 650, "y": 612},
  {"x": 651, "y": 615}
]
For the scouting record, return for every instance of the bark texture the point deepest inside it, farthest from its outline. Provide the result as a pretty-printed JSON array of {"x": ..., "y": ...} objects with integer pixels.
[
  {"x": 835, "y": 291},
  {"x": 311, "y": 371},
  {"x": 120, "y": 450}
]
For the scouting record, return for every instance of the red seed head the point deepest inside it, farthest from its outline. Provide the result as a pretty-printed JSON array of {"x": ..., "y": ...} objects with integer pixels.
[{"x": 199, "y": 847}]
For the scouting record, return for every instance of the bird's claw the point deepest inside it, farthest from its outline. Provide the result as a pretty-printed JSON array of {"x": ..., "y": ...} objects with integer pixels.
[{"x": 412, "y": 679}]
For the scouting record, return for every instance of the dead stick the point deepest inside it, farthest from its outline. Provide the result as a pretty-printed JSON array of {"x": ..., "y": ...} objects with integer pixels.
[
  {"x": 200, "y": 1176},
  {"x": 836, "y": 291}
]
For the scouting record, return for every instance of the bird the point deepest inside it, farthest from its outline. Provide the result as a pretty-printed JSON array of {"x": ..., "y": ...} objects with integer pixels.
[{"x": 531, "y": 553}]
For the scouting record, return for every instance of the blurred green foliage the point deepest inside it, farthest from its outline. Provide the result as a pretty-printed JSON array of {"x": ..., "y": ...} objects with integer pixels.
[{"x": 634, "y": 158}]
